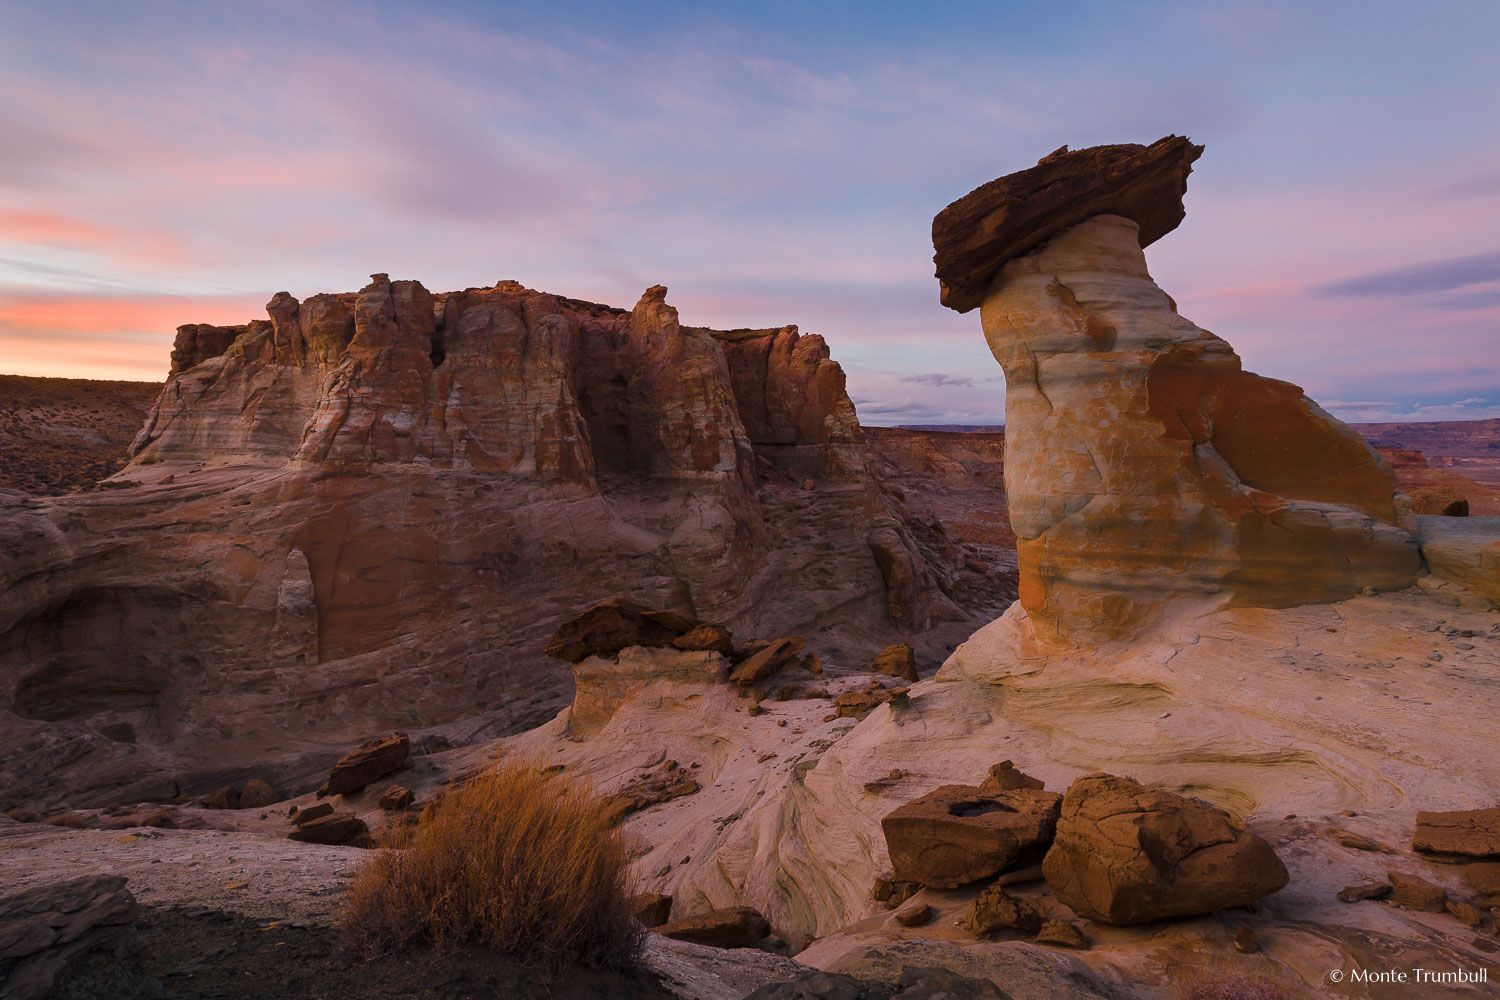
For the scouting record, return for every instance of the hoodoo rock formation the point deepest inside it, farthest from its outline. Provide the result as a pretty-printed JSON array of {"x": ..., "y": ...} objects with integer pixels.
[
  {"x": 1143, "y": 464},
  {"x": 367, "y": 511}
]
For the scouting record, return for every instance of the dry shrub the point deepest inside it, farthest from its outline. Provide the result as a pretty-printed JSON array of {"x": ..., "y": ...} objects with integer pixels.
[
  {"x": 1225, "y": 984},
  {"x": 515, "y": 859}
]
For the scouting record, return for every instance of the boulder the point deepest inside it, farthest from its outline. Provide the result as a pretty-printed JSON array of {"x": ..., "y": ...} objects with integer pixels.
[
  {"x": 1440, "y": 501},
  {"x": 257, "y": 794},
  {"x": 396, "y": 797},
  {"x": 1416, "y": 893},
  {"x": 706, "y": 637},
  {"x": 652, "y": 909},
  {"x": 1126, "y": 854},
  {"x": 959, "y": 834},
  {"x": 610, "y": 626},
  {"x": 1465, "y": 551},
  {"x": 1465, "y": 913},
  {"x": 334, "y": 828},
  {"x": 768, "y": 661},
  {"x": 1472, "y": 832},
  {"x": 913, "y": 914},
  {"x": 897, "y": 660},
  {"x": 50, "y": 930},
  {"x": 664, "y": 784},
  {"x": 1363, "y": 891},
  {"x": 859, "y": 703},
  {"x": 1004, "y": 777},
  {"x": 316, "y": 811},
  {"x": 734, "y": 927},
  {"x": 1484, "y": 877},
  {"x": 996, "y": 910},
  {"x": 373, "y": 760},
  {"x": 1062, "y": 934}
]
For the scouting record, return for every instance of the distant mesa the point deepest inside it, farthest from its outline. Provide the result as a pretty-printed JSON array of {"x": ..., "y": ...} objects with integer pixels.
[{"x": 1143, "y": 465}]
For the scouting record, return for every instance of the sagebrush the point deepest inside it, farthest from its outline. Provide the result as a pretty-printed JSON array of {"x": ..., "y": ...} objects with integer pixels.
[{"x": 515, "y": 859}]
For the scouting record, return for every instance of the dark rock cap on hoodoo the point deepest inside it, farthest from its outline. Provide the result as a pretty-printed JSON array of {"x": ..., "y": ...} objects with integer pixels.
[{"x": 1011, "y": 216}]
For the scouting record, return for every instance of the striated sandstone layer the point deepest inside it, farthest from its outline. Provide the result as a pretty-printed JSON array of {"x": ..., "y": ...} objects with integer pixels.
[{"x": 368, "y": 511}]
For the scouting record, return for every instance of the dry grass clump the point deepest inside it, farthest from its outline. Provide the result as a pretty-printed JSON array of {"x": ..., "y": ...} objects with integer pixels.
[
  {"x": 516, "y": 859},
  {"x": 1224, "y": 984}
]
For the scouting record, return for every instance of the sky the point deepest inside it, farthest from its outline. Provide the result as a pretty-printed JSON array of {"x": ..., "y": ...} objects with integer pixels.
[{"x": 770, "y": 163}]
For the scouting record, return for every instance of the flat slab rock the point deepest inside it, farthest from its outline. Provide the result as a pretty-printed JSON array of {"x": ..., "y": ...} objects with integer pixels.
[
  {"x": 959, "y": 834},
  {"x": 613, "y": 625},
  {"x": 1011, "y": 216},
  {"x": 1126, "y": 854},
  {"x": 373, "y": 760},
  {"x": 1472, "y": 832}
]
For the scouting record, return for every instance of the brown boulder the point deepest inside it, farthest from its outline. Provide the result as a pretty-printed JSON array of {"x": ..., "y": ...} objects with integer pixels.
[
  {"x": 610, "y": 626},
  {"x": 652, "y": 909},
  {"x": 1004, "y": 777},
  {"x": 957, "y": 834},
  {"x": 1464, "y": 912},
  {"x": 1473, "y": 832},
  {"x": 227, "y": 797},
  {"x": 1126, "y": 854},
  {"x": 1062, "y": 934},
  {"x": 666, "y": 783},
  {"x": 374, "y": 759},
  {"x": 1439, "y": 500},
  {"x": 396, "y": 797},
  {"x": 897, "y": 660},
  {"x": 758, "y": 666},
  {"x": 334, "y": 828},
  {"x": 312, "y": 812},
  {"x": 1363, "y": 891},
  {"x": 735, "y": 927},
  {"x": 1416, "y": 893},
  {"x": 1484, "y": 877},
  {"x": 257, "y": 794},
  {"x": 858, "y": 704},
  {"x": 914, "y": 914},
  {"x": 996, "y": 910},
  {"x": 1009, "y": 217},
  {"x": 706, "y": 637}
]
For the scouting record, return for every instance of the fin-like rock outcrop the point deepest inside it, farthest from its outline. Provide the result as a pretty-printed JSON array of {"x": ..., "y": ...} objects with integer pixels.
[
  {"x": 1143, "y": 464},
  {"x": 368, "y": 510}
]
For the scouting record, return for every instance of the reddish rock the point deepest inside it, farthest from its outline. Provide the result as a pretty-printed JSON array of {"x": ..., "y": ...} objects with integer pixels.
[
  {"x": 1464, "y": 912},
  {"x": 958, "y": 834},
  {"x": 767, "y": 662},
  {"x": 606, "y": 628},
  {"x": 736, "y": 927},
  {"x": 995, "y": 910},
  {"x": 374, "y": 759},
  {"x": 1484, "y": 877},
  {"x": 396, "y": 797},
  {"x": 706, "y": 637},
  {"x": 312, "y": 812},
  {"x": 1244, "y": 940},
  {"x": 1062, "y": 934},
  {"x": 1416, "y": 893},
  {"x": 914, "y": 914},
  {"x": 1127, "y": 854},
  {"x": 662, "y": 785},
  {"x": 335, "y": 828},
  {"x": 975, "y": 236},
  {"x": 47, "y": 930},
  {"x": 257, "y": 794},
  {"x": 1439, "y": 500},
  {"x": 1004, "y": 777},
  {"x": 860, "y": 703},
  {"x": 651, "y": 908},
  {"x": 1363, "y": 891},
  {"x": 898, "y": 660},
  {"x": 1472, "y": 832}
]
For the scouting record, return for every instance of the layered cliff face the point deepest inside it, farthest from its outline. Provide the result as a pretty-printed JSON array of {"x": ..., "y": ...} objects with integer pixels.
[
  {"x": 1143, "y": 464},
  {"x": 368, "y": 511}
]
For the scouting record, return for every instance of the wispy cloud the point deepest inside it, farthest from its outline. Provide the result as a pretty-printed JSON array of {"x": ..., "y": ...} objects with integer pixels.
[
  {"x": 1419, "y": 279},
  {"x": 939, "y": 379}
]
